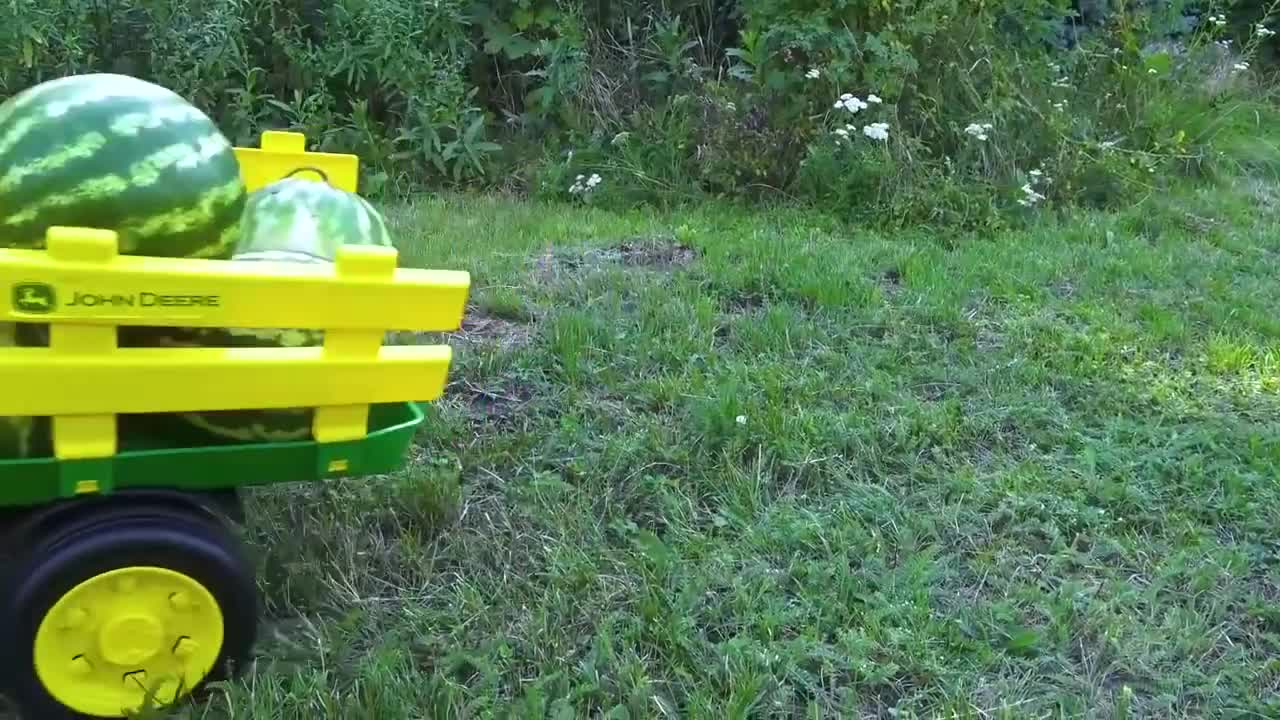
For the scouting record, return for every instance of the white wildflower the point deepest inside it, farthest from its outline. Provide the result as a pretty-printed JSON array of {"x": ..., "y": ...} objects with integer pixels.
[
  {"x": 981, "y": 131},
  {"x": 842, "y": 132},
  {"x": 741, "y": 419},
  {"x": 1218, "y": 20},
  {"x": 1060, "y": 105},
  {"x": 850, "y": 103},
  {"x": 1152, "y": 71},
  {"x": 1036, "y": 173},
  {"x": 1263, "y": 31},
  {"x": 813, "y": 74},
  {"x": 877, "y": 131},
  {"x": 583, "y": 184},
  {"x": 1240, "y": 66},
  {"x": 874, "y": 99},
  {"x": 1029, "y": 196}
]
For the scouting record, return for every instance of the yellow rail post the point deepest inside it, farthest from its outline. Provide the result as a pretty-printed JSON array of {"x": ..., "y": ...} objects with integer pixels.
[
  {"x": 348, "y": 422},
  {"x": 281, "y": 153},
  {"x": 80, "y": 437}
]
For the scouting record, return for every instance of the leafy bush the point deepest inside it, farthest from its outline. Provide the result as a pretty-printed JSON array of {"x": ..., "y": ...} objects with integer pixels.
[{"x": 934, "y": 110}]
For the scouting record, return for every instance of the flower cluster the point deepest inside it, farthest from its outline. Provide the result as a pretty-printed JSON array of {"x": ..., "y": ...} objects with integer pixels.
[
  {"x": 813, "y": 74},
  {"x": 1263, "y": 31},
  {"x": 1218, "y": 20},
  {"x": 583, "y": 184},
  {"x": 1240, "y": 66},
  {"x": 1030, "y": 195},
  {"x": 852, "y": 104},
  {"x": 1062, "y": 80},
  {"x": 981, "y": 131}
]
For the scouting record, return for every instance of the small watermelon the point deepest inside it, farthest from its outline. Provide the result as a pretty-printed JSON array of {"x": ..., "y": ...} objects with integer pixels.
[
  {"x": 112, "y": 151},
  {"x": 301, "y": 220},
  {"x": 291, "y": 220}
]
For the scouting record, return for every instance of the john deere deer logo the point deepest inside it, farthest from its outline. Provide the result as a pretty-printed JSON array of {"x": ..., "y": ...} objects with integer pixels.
[{"x": 34, "y": 298}]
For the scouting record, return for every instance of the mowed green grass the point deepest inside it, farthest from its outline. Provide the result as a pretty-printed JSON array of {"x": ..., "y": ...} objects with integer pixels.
[{"x": 803, "y": 470}]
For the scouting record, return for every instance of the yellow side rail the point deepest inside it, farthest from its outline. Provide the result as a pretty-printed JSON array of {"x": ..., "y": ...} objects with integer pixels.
[
  {"x": 284, "y": 152},
  {"x": 84, "y": 289}
]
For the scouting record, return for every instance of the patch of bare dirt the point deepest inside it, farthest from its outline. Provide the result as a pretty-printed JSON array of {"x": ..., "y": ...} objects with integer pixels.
[
  {"x": 478, "y": 330},
  {"x": 891, "y": 281},
  {"x": 496, "y": 406},
  {"x": 662, "y": 253}
]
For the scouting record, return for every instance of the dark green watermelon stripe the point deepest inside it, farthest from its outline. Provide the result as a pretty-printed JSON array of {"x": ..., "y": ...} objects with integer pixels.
[
  {"x": 132, "y": 124},
  {"x": 92, "y": 189},
  {"x": 221, "y": 248},
  {"x": 184, "y": 231},
  {"x": 52, "y": 141},
  {"x": 228, "y": 193},
  {"x": 111, "y": 155},
  {"x": 25, "y": 99},
  {"x": 83, "y": 147},
  {"x": 221, "y": 200},
  {"x": 52, "y": 103},
  {"x": 181, "y": 156},
  {"x": 172, "y": 153},
  {"x": 43, "y": 136}
]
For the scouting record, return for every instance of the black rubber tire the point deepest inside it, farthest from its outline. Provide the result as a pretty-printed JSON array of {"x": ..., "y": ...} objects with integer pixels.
[{"x": 116, "y": 536}]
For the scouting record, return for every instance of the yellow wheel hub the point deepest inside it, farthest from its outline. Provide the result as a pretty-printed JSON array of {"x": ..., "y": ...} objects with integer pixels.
[{"x": 129, "y": 638}]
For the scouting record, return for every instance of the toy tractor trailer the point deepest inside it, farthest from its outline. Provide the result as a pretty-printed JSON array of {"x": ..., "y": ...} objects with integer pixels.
[{"x": 122, "y": 584}]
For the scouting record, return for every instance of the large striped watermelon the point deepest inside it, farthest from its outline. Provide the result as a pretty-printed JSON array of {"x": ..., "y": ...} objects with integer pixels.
[
  {"x": 291, "y": 220},
  {"x": 113, "y": 151}
]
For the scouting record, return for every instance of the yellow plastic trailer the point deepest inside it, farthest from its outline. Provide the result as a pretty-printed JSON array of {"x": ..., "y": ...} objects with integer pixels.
[{"x": 121, "y": 583}]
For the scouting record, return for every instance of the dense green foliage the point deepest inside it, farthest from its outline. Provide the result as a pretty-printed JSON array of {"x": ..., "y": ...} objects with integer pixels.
[{"x": 677, "y": 98}]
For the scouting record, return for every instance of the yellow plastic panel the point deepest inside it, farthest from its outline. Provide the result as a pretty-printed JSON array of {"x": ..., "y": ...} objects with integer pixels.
[
  {"x": 43, "y": 381},
  {"x": 82, "y": 280},
  {"x": 336, "y": 423},
  {"x": 83, "y": 436},
  {"x": 283, "y": 152}
]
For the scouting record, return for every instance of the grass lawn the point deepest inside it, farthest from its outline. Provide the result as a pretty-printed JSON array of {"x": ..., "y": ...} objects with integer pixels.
[
  {"x": 709, "y": 464},
  {"x": 719, "y": 465}
]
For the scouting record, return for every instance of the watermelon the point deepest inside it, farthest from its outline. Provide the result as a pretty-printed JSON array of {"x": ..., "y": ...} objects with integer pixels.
[
  {"x": 292, "y": 220},
  {"x": 112, "y": 151},
  {"x": 301, "y": 220}
]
